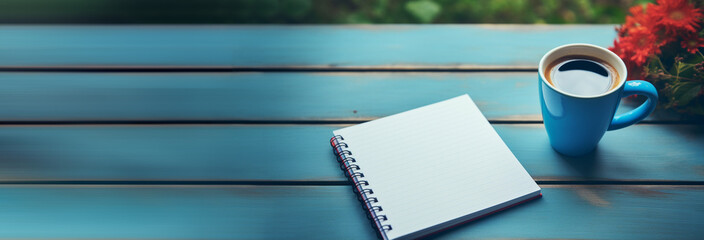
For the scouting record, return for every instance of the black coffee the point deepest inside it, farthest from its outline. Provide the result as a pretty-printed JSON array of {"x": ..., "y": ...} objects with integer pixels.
[{"x": 581, "y": 75}]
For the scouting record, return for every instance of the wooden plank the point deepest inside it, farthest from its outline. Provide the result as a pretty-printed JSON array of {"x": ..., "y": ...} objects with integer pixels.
[
  {"x": 301, "y": 153},
  {"x": 261, "y": 96},
  {"x": 315, "y": 212},
  {"x": 318, "y": 46}
]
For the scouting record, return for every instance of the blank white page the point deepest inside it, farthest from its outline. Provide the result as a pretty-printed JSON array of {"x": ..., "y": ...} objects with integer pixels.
[{"x": 435, "y": 166}]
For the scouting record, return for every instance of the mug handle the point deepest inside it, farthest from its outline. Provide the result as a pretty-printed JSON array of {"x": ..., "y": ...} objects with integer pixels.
[{"x": 634, "y": 87}]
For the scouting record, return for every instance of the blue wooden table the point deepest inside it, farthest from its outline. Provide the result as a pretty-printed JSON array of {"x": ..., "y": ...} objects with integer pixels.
[{"x": 221, "y": 132}]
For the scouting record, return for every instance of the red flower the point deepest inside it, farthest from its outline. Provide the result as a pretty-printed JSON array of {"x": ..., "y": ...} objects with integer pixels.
[
  {"x": 676, "y": 15},
  {"x": 618, "y": 50},
  {"x": 651, "y": 27},
  {"x": 638, "y": 19},
  {"x": 641, "y": 43},
  {"x": 634, "y": 71},
  {"x": 692, "y": 42}
]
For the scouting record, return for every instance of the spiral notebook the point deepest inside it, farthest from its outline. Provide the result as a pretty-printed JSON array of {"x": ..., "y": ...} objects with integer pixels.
[{"x": 431, "y": 168}]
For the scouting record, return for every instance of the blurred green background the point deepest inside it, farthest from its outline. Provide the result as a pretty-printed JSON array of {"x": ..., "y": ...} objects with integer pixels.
[{"x": 314, "y": 11}]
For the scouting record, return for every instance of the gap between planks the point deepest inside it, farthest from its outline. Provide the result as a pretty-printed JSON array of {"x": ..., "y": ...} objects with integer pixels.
[
  {"x": 268, "y": 122},
  {"x": 319, "y": 183},
  {"x": 221, "y": 69}
]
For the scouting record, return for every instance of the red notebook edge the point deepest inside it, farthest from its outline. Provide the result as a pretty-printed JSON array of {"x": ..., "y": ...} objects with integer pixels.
[{"x": 480, "y": 217}]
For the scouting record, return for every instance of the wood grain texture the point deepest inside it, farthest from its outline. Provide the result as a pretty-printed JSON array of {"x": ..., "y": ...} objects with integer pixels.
[
  {"x": 448, "y": 46},
  {"x": 301, "y": 153},
  {"x": 255, "y": 212},
  {"x": 262, "y": 96}
]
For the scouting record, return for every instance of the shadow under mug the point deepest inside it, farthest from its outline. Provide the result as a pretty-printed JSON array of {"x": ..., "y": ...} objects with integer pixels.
[{"x": 575, "y": 124}]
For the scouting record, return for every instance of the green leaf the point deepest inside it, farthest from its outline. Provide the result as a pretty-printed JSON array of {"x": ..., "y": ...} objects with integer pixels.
[
  {"x": 686, "y": 70},
  {"x": 653, "y": 66},
  {"x": 424, "y": 10},
  {"x": 694, "y": 59},
  {"x": 673, "y": 70},
  {"x": 685, "y": 92}
]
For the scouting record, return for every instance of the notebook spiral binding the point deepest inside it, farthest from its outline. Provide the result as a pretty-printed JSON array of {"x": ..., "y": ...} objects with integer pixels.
[{"x": 353, "y": 172}]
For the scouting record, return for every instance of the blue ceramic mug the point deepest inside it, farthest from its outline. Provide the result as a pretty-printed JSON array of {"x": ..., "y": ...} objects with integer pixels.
[{"x": 576, "y": 123}]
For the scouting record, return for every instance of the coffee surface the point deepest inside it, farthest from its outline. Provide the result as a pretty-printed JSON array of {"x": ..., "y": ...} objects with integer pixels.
[{"x": 581, "y": 75}]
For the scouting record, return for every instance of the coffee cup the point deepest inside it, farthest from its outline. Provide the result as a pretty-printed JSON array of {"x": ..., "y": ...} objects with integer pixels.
[{"x": 580, "y": 88}]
